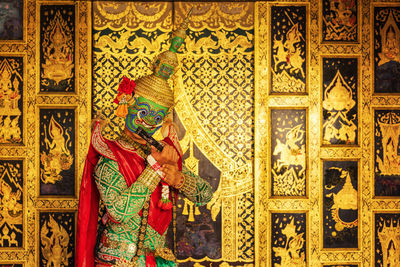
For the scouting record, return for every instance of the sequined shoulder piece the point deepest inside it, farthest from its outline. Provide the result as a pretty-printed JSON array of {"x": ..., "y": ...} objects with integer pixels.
[
  {"x": 99, "y": 143},
  {"x": 127, "y": 146}
]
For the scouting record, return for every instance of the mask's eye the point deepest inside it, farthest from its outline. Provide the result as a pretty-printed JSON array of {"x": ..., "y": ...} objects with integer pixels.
[
  {"x": 158, "y": 119},
  {"x": 142, "y": 113}
]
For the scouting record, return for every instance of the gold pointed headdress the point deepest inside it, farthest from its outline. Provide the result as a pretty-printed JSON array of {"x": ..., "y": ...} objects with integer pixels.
[{"x": 155, "y": 87}]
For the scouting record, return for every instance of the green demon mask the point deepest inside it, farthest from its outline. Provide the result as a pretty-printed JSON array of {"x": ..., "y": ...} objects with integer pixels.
[{"x": 146, "y": 114}]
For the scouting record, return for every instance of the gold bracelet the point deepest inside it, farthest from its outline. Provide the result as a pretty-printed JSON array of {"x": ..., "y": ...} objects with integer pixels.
[{"x": 181, "y": 183}]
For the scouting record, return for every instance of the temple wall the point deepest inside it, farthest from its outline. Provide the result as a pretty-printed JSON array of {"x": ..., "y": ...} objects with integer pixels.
[{"x": 289, "y": 109}]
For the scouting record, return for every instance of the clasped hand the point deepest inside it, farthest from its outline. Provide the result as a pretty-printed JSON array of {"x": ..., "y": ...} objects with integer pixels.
[{"x": 168, "y": 159}]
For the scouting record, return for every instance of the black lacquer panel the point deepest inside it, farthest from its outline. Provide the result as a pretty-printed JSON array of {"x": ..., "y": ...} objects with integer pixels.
[
  {"x": 340, "y": 204},
  {"x": 288, "y": 152},
  {"x": 387, "y": 152},
  {"x": 387, "y": 49},
  {"x": 11, "y": 99},
  {"x": 340, "y": 21},
  {"x": 387, "y": 239},
  {"x": 57, "y": 238},
  {"x": 288, "y": 49},
  {"x": 340, "y": 101},
  {"x": 57, "y": 50},
  {"x": 288, "y": 239},
  {"x": 11, "y": 212},
  {"x": 57, "y": 151}
]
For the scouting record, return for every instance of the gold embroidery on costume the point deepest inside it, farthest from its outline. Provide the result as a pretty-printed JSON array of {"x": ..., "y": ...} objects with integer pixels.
[
  {"x": 58, "y": 156},
  {"x": 99, "y": 143}
]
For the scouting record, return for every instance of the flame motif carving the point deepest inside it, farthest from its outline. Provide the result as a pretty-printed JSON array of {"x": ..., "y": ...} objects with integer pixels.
[{"x": 58, "y": 157}]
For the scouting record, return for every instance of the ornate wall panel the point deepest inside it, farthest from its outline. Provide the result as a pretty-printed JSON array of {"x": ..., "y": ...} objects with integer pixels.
[
  {"x": 340, "y": 21},
  {"x": 57, "y": 50},
  {"x": 357, "y": 38},
  {"x": 340, "y": 204},
  {"x": 41, "y": 43},
  {"x": 340, "y": 82},
  {"x": 288, "y": 152},
  {"x": 288, "y": 239},
  {"x": 387, "y": 233},
  {"x": 57, "y": 150},
  {"x": 57, "y": 238},
  {"x": 386, "y": 23},
  {"x": 11, "y": 99},
  {"x": 240, "y": 62},
  {"x": 289, "y": 43}
]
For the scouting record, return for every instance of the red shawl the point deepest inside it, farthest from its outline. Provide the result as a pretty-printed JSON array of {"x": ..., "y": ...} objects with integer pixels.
[{"x": 131, "y": 166}]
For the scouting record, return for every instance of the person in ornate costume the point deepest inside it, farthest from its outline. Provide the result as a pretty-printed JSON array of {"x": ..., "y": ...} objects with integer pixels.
[{"x": 136, "y": 182}]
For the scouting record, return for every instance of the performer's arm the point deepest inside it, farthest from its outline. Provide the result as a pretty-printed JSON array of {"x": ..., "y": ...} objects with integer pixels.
[
  {"x": 195, "y": 188},
  {"x": 122, "y": 202},
  {"x": 189, "y": 184}
]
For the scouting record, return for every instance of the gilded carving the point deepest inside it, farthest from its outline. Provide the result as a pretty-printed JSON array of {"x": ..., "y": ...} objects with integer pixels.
[
  {"x": 11, "y": 207},
  {"x": 387, "y": 239},
  {"x": 57, "y": 150},
  {"x": 288, "y": 152},
  {"x": 387, "y": 49},
  {"x": 340, "y": 204},
  {"x": 288, "y": 239},
  {"x": 288, "y": 49},
  {"x": 339, "y": 21},
  {"x": 57, "y": 64},
  {"x": 11, "y": 91},
  {"x": 132, "y": 15},
  {"x": 215, "y": 16},
  {"x": 339, "y": 101},
  {"x": 57, "y": 238},
  {"x": 387, "y": 158}
]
